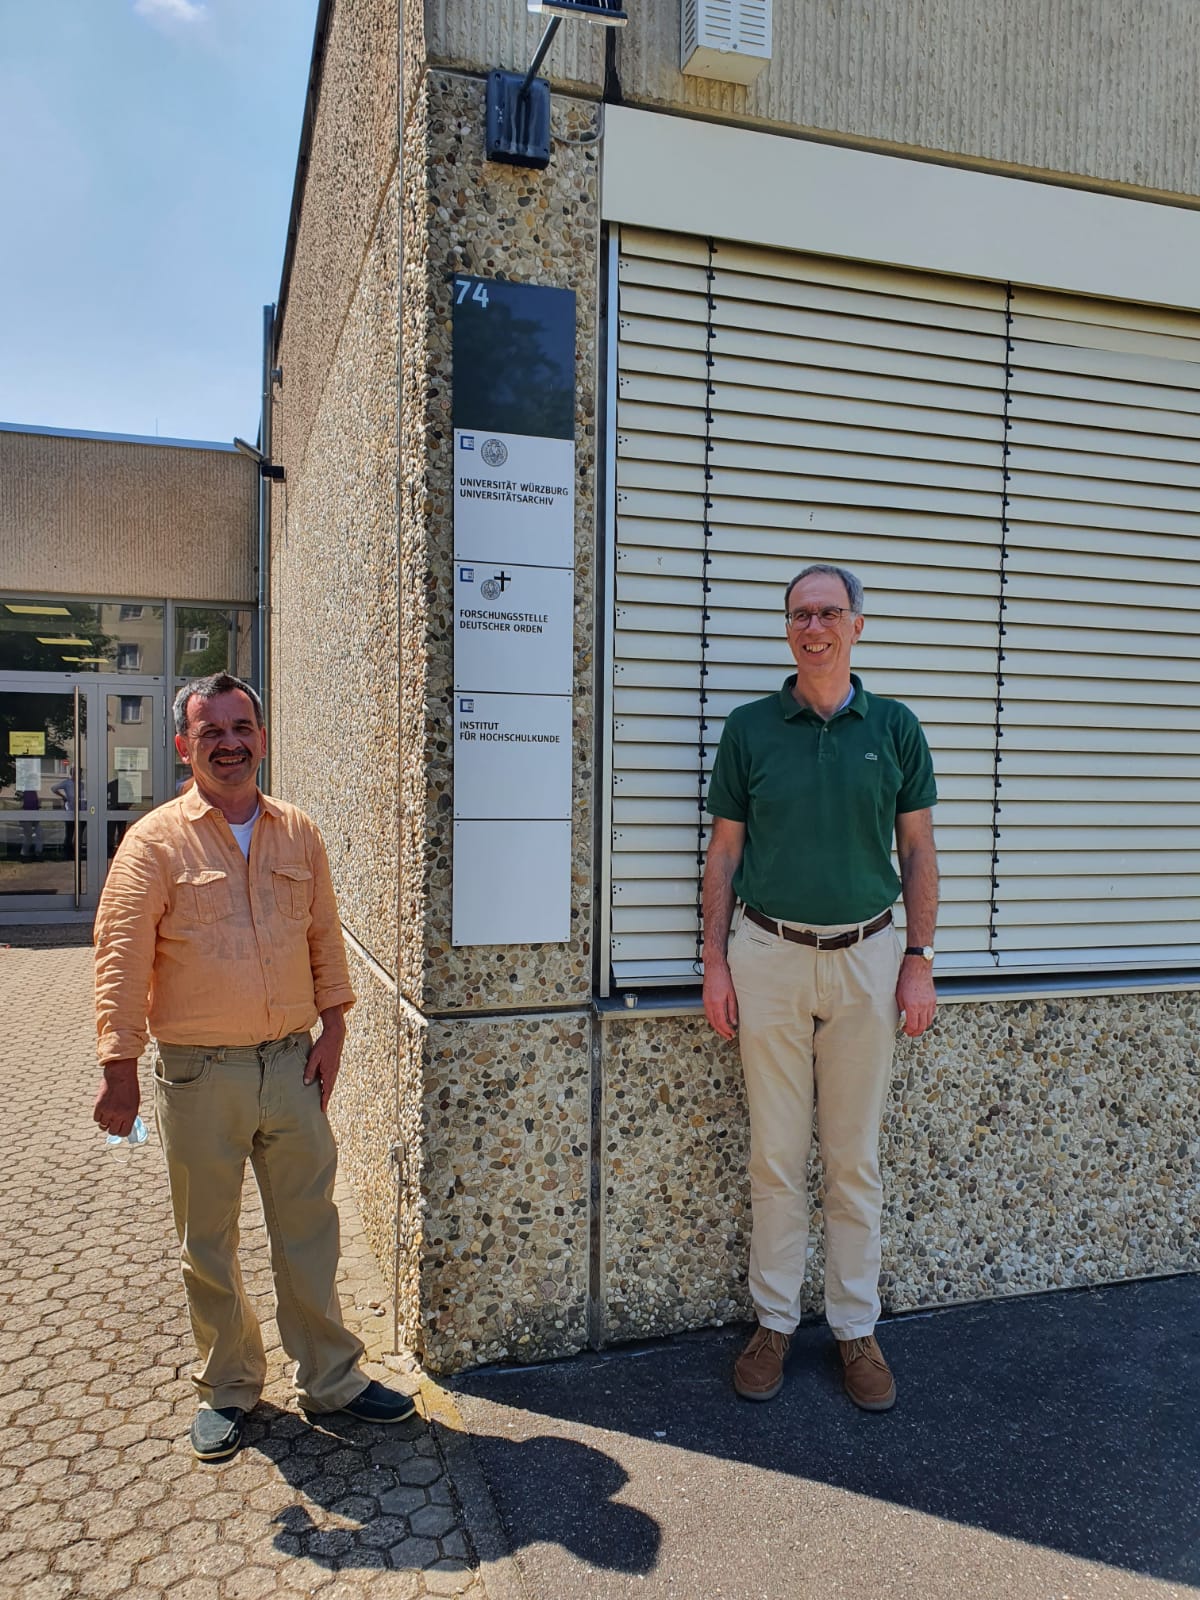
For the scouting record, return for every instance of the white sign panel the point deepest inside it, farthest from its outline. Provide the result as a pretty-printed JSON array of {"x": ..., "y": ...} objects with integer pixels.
[
  {"x": 514, "y": 498},
  {"x": 29, "y": 773},
  {"x": 512, "y": 756},
  {"x": 509, "y": 881},
  {"x": 131, "y": 758},
  {"x": 512, "y": 627}
]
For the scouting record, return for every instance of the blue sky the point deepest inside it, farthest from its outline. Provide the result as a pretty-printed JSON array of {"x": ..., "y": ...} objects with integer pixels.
[{"x": 147, "y": 151}]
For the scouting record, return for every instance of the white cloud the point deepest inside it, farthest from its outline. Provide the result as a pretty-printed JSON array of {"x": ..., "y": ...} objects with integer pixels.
[{"x": 171, "y": 11}]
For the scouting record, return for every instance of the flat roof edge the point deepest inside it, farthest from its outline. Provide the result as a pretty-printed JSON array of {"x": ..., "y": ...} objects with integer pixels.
[
  {"x": 117, "y": 438},
  {"x": 312, "y": 95}
]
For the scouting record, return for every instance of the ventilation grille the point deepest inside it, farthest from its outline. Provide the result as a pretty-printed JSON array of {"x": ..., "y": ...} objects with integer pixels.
[{"x": 725, "y": 39}]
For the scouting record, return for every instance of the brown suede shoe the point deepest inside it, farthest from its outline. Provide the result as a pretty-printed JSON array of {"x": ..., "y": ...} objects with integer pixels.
[
  {"x": 758, "y": 1371},
  {"x": 867, "y": 1377}
]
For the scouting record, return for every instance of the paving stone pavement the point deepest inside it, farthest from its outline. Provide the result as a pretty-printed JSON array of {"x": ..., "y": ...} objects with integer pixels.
[{"x": 99, "y": 1492}]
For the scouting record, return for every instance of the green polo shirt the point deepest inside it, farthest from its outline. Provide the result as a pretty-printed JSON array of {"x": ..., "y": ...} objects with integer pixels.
[{"x": 820, "y": 800}]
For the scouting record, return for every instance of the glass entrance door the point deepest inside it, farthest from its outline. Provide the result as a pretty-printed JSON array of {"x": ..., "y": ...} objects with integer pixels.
[
  {"x": 133, "y": 762},
  {"x": 78, "y": 765},
  {"x": 44, "y": 770}
]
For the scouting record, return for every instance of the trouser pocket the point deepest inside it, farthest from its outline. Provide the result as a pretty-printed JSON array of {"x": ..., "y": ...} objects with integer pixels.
[{"x": 182, "y": 1066}]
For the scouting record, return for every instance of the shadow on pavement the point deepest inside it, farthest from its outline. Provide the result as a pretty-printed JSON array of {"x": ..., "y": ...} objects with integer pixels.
[
  {"x": 570, "y": 1499},
  {"x": 1069, "y": 1421},
  {"x": 367, "y": 1500}
]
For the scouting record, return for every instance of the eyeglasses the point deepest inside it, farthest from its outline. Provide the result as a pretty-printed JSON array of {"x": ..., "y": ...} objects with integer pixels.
[{"x": 827, "y": 615}]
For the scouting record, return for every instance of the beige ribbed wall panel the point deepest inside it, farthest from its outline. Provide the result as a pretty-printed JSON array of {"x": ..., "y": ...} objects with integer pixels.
[
  {"x": 101, "y": 517},
  {"x": 501, "y": 33},
  {"x": 1101, "y": 89}
]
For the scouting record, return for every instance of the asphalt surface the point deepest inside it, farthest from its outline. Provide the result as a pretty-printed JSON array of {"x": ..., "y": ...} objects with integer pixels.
[{"x": 1041, "y": 1449}]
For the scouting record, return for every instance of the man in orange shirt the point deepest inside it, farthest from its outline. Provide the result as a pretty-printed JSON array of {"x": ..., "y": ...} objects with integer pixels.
[{"x": 218, "y": 927}]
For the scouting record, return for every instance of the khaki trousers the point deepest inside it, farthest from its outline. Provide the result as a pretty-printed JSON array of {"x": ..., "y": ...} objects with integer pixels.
[
  {"x": 815, "y": 1023},
  {"x": 216, "y": 1107}
]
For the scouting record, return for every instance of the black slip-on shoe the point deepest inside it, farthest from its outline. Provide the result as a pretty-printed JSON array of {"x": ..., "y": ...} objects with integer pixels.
[
  {"x": 217, "y": 1435},
  {"x": 379, "y": 1404}
]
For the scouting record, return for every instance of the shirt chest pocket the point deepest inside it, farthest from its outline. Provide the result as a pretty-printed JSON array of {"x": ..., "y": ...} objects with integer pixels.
[
  {"x": 203, "y": 896},
  {"x": 293, "y": 890}
]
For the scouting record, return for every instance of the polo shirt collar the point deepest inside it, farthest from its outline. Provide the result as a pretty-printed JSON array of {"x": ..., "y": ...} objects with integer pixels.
[{"x": 791, "y": 707}]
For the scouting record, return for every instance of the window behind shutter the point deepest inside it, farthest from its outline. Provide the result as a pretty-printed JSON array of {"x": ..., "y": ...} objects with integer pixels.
[
  {"x": 1099, "y": 799},
  {"x": 775, "y": 410}
]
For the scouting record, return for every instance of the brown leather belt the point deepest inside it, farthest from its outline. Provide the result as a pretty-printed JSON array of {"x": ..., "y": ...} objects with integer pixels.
[{"x": 820, "y": 941}]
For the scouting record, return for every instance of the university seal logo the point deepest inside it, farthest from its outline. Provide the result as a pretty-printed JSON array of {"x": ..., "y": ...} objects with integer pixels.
[{"x": 494, "y": 453}]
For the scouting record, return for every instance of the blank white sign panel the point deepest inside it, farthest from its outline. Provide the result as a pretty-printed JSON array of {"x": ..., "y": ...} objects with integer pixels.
[{"x": 512, "y": 882}]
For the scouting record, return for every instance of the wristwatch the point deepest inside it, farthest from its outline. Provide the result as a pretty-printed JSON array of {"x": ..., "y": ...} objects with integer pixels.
[{"x": 925, "y": 950}]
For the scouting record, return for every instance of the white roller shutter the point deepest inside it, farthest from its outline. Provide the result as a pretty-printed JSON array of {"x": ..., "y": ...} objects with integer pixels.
[
  {"x": 774, "y": 410},
  {"x": 1098, "y": 809}
]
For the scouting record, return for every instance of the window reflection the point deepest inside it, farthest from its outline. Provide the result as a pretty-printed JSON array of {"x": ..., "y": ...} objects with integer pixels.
[
  {"x": 80, "y": 636},
  {"x": 123, "y": 636},
  {"x": 129, "y": 780},
  {"x": 208, "y": 639},
  {"x": 41, "y": 794}
]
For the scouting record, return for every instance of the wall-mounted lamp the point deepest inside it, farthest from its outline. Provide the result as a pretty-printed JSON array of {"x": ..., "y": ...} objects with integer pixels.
[
  {"x": 267, "y": 468},
  {"x": 518, "y": 108}
]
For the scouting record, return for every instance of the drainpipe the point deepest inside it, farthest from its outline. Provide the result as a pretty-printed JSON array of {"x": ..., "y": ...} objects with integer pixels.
[{"x": 264, "y": 534}]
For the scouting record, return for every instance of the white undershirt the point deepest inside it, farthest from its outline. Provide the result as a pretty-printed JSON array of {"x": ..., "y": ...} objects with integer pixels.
[{"x": 242, "y": 831}]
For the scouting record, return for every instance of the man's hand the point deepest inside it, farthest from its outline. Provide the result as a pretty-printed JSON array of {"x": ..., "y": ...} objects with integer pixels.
[
  {"x": 725, "y": 849},
  {"x": 325, "y": 1058},
  {"x": 119, "y": 1098},
  {"x": 720, "y": 1001},
  {"x": 915, "y": 994}
]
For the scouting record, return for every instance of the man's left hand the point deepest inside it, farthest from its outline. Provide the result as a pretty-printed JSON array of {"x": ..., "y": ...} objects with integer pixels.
[
  {"x": 915, "y": 995},
  {"x": 325, "y": 1057}
]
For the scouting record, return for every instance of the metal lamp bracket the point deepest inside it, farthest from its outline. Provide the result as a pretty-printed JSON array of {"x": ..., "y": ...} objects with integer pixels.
[{"x": 518, "y": 108}]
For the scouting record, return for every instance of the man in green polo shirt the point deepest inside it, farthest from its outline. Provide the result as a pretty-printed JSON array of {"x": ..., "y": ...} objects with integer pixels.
[{"x": 809, "y": 788}]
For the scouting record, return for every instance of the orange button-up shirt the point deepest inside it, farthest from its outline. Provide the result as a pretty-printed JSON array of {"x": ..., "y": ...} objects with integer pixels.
[{"x": 210, "y": 948}]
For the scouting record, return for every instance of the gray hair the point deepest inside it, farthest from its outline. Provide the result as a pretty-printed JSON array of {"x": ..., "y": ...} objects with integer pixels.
[
  {"x": 208, "y": 689},
  {"x": 854, "y": 589}
]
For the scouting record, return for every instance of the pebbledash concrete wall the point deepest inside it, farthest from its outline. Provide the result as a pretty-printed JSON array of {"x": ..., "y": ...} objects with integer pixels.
[
  {"x": 535, "y": 1175},
  {"x": 507, "y": 1065},
  {"x": 465, "y": 1134},
  {"x": 1030, "y": 1144},
  {"x": 336, "y": 646}
]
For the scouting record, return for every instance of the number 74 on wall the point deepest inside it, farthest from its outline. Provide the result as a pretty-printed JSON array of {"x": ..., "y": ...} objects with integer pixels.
[{"x": 473, "y": 289}]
